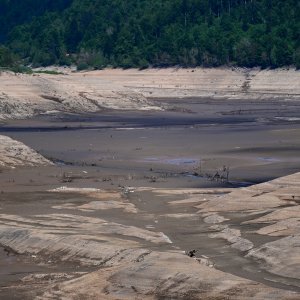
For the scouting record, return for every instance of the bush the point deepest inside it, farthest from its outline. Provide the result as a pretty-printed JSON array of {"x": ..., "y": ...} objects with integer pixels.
[
  {"x": 82, "y": 66},
  {"x": 49, "y": 72},
  {"x": 7, "y": 59},
  {"x": 297, "y": 58},
  {"x": 21, "y": 69}
]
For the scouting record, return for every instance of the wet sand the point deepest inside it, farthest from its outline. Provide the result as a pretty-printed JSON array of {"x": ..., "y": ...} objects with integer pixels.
[{"x": 257, "y": 140}]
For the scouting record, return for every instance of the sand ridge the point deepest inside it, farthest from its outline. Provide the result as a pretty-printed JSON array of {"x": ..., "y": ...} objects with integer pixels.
[
  {"x": 14, "y": 153},
  {"x": 130, "y": 261},
  {"x": 24, "y": 96}
]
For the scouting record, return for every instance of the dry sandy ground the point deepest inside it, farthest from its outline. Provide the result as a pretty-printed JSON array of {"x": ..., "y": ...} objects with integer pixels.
[
  {"x": 14, "y": 153},
  {"x": 214, "y": 83},
  {"x": 126, "y": 259},
  {"x": 274, "y": 206},
  {"x": 129, "y": 243},
  {"x": 22, "y": 96}
]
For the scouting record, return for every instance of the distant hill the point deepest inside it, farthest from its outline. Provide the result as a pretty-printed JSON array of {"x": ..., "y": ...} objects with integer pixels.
[{"x": 139, "y": 33}]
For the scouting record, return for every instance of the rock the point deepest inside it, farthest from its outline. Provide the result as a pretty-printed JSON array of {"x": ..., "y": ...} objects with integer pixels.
[
  {"x": 287, "y": 227},
  {"x": 233, "y": 236},
  {"x": 214, "y": 219},
  {"x": 183, "y": 278},
  {"x": 180, "y": 278},
  {"x": 108, "y": 200},
  {"x": 278, "y": 215},
  {"x": 281, "y": 257},
  {"x": 89, "y": 241}
]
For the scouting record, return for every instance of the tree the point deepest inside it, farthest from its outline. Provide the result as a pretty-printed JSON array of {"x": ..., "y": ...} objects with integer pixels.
[
  {"x": 159, "y": 32},
  {"x": 7, "y": 59}
]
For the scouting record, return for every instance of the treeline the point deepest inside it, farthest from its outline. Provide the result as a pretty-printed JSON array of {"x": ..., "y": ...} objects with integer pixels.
[
  {"x": 139, "y": 33},
  {"x": 7, "y": 59}
]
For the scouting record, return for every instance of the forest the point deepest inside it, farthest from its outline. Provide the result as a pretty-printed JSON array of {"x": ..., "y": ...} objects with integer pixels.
[{"x": 158, "y": 33}]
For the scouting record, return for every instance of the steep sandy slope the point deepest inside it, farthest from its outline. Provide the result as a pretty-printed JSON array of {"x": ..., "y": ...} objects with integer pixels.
[
  {"x": 216, "y": 83},
  {"x": 200, "y": 82},
  {"x": 14, "y": 153},
  {"x": 22, "y": 96}
]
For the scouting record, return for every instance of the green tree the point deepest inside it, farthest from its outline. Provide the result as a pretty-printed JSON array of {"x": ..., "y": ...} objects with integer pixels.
[
  {"x": 158, "y": 32},
  {"x": 7, "y": 59}
]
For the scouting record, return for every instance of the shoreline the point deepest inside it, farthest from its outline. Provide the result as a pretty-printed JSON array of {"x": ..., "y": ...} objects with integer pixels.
[
  {"x": 24, "y": 96},
  {"x": 121, "y": 215}
]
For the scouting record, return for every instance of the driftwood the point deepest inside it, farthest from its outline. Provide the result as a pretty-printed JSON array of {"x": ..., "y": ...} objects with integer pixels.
[
  {"x": 191, "y": 253},
  {"x": 221, "y": 174}
]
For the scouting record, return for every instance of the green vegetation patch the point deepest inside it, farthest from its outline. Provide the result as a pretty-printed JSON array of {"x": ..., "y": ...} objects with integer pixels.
[
  {"x": 49, "y": 72},
  {"x": 131, "y": 33}
]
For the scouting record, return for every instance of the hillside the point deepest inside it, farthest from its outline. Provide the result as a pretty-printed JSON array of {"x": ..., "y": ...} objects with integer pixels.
[
  {"x": 24, "y": 96},
  {"x": 133, "y": 33}
]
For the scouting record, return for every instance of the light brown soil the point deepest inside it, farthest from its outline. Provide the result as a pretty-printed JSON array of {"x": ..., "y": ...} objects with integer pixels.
[
  {"x": 23, "y": 96},
  {"x": 15, "y": 154}
]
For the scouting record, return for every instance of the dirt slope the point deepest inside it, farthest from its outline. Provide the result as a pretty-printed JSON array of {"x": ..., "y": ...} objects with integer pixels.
[
  {"x": 22, "y": 96},
  {"x": 14, "y": 153}
]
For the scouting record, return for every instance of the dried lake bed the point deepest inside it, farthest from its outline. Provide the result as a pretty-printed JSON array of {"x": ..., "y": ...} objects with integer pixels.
[{"x": 130, "y": 192}]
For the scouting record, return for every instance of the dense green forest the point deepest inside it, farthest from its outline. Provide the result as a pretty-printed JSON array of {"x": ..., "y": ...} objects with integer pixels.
[{"x": 139, "y": 33}]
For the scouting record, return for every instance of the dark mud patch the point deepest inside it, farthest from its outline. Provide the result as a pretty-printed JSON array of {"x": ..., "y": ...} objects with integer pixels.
[{"x": 13, "y": 266}]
